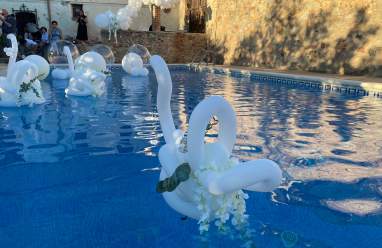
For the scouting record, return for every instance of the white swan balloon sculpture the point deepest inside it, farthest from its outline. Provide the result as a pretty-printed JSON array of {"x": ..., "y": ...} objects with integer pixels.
[
  {"x": 88, "y": 77},
  {"x": 63, "y": 74},
  {"x": 132, "y": 63},
  {"x": 21, "y": 86},
  {"x": 213, "y": 190}
]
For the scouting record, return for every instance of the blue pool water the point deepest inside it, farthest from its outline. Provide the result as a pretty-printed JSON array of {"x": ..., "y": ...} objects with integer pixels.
[{"x": 82, "y": 172}]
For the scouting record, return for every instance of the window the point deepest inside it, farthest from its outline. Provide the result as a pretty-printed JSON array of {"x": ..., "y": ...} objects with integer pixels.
[{"x": 76, "y": 8}]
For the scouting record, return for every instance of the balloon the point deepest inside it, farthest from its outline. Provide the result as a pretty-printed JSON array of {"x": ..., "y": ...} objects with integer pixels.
[
  {"x": 215, "y": 191},
  {"x": 88, "y": 78},
  {"x": 62, "y": 52},
  {"x": 56, "y": 54},
  {"x": 105, "y": 52},
  {"x": 86, "y": 83},
  {"x": 142, "y": 51},
  {"x": 133, "y": 64},
  {"x": 91, "y": 60},
  {"x": 102, "y": 20},
  {"x": 125, "y": 16},
  {"x": 42, "y": 65}
]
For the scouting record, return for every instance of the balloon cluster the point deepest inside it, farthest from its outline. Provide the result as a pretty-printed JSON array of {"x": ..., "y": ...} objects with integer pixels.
[
  {"x": 88, "y": 78},
  {"x": 108, "y": 20},
  {"x": 126, "y": 14},
  {"x": 124, "y": 17},
  {"x": 164, "y": 4}
]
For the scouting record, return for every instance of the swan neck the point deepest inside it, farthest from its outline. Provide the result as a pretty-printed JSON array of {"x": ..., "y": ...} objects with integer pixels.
[
  {"x": 13, "y": 55},
  {"x": 200, "y": 117},
  {"x": 69, "y": 58},
  {"x": 163, "y": 77}
]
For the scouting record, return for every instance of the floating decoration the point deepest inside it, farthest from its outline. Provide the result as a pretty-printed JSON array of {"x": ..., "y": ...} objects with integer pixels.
[
  {"x": 91, "y": 60},
  {"x": 57, "y": 55},
  {"x": 133, "y": 64},
  {"x": 59, "y": 73},
  {"x": 142, "y": 51},
  {"x": 88, "y": 78},
  {"x": 203, "y": 181},
  {"x": 108, "y": 20},
  {"x": 62, "y": 52},
  {"x": 21, "y": 86}
]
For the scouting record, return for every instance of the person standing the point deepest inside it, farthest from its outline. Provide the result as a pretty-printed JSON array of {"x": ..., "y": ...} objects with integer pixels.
[
  {"x": 44, "y": 43},
  {"x": 44, "y": 36},
  {"x": 8, "y": 26},
  {"x": 55, "y": 32},
  {"x": 82, "y": 32}
]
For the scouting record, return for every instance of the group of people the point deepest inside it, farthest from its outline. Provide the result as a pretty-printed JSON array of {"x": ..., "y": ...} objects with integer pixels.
[{"x": 35, "y": 40}]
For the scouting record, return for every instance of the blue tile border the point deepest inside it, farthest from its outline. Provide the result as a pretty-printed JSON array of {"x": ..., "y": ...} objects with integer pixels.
[{"x": 324, "y": 84}]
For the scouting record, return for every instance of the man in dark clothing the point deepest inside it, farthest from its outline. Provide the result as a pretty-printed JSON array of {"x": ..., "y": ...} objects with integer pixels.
[{"x": 8, "y": 26}]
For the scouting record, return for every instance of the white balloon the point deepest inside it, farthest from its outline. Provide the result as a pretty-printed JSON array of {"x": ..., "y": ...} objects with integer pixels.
[
  {"x": 132, "y": 63},
  {"x": 109, "y": 14},
  {"x": 91, "y": 60},
  {"x": 105, "y": 51},
  {"x": 102, "y": 20},
  {"x": 60, "y": 73},
  {"x": 86, "y": 83},
  {"x": 42, "y": 65},
  {"x": 88, "y": 78},
  {"x": 136, "y": 4},
  {"x": 125, "y": 15}
]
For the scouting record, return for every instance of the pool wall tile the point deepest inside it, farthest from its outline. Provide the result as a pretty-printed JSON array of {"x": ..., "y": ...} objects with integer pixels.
[{"x": 352, "y": 87}]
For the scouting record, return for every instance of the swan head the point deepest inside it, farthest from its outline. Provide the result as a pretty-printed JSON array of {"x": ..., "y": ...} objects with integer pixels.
[{"x": 11, "y": 51}]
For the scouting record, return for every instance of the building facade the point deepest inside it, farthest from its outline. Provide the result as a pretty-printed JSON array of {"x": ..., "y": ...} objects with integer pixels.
[{"x": 42, "y": 12}]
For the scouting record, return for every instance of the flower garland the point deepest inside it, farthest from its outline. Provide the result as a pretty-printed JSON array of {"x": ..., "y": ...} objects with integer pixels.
[
  {"x": 232, "y": 204},
  {"x": 28, "y": 86}
]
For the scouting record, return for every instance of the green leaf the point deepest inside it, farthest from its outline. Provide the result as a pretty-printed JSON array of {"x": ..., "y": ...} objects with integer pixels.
[{"x": 181, "y": 174}]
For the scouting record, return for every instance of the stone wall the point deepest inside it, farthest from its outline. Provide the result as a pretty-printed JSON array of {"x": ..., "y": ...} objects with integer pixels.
[
  {"x": 175, "y": 47},
  {"x": 336, "y": 36}
]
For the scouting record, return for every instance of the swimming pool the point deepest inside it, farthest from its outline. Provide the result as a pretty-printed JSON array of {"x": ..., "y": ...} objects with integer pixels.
[{"x": 82, "y": 172}]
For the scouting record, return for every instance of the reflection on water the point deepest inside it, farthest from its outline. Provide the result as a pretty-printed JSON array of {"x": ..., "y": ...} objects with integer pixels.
[
  {"x": 356, "y": 206},
  {"x": 329, "y": 145}
]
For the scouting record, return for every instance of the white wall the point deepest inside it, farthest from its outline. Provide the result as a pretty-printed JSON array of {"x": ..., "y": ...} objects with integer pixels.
[{"x": 61, "y": 11}]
